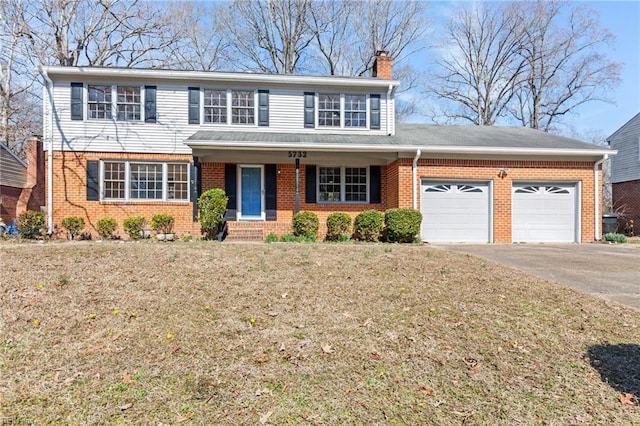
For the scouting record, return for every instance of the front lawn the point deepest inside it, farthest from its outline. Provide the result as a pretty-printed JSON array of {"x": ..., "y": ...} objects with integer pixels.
[{"x": 319, "y": 334}]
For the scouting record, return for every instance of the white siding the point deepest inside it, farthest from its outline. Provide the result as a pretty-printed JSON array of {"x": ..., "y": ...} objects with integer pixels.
[
  {"x": 286, "y": 113},
  {"x": 12, "y": 171},
  {"x": 625, "y": 165}
]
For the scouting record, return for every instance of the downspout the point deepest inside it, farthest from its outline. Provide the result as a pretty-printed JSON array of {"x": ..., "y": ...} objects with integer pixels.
[
  {"x": 414, "y": 171},
  {"x": 49, "y": 87},
  {"x": 389, "y": 110},
  {"x": 596, "y": 197}
]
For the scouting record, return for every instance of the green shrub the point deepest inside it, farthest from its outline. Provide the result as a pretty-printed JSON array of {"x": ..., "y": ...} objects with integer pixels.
[
  {"x": 338, "y": 227},
  {"x": 289, "y": 238},
  {"x": 271, "y": 238},
  {"x": 162, "y": 223},
  {"x": 616, "y": 238},
  {"x": 73, "y": 224},
  {"x": 212, "y": 205},
  {"x": 306, "y": 224},
  {"x": 30, "y": 224},
  {"x": 402, "y": 225},
  {"x": 369, "y": 225},
  {"x": 106, "y": 227},
  {"x": 134, "y": 227}
]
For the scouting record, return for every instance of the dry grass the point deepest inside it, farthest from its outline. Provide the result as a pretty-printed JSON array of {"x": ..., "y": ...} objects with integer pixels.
[{"x": 207, "y": 333}]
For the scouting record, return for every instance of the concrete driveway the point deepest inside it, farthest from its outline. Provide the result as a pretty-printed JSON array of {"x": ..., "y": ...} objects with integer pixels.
[{"x": 604, "y": 270}]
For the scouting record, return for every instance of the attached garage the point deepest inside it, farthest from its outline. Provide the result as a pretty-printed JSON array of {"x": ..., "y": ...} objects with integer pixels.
[
  {"x": 456, "y": 211},
  {"x": 545, "y": 213}
]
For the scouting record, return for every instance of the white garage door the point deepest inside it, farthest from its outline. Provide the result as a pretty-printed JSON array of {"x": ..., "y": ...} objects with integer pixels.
[
  {"x": 544, "y": 213},
  {"x": 455, "y": 212}
]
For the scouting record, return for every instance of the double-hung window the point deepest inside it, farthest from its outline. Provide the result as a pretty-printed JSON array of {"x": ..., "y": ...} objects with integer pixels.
[
  {"x": 128, "y": 103},
  {"x": 340, "y": 110},
  {"x": 229, "y": 106},
  {"x": 342, "y": 184},
  {"x": 99, "y": 102},
  {"x": 139, "y": 180},
  {"x": 242, "y": 107},
  {"x": 215, "y": 106},
  {"x": 355, "y": 111},
  {"x": 329, "y": 110}
]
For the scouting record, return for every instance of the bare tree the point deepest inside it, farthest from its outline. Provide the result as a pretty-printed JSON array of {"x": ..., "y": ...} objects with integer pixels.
[
  {"x": 269, "y": 35},
  {"x": 198, "y": 32},
  {"x": 565, "y": 64},
  {"x": 95, "y": 33},
  {"x": 479, "y": 74}
]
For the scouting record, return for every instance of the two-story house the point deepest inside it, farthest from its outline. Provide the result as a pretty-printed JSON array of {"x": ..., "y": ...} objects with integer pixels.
[
  {"x": 123, "y": 142},
  {"x": 625, "y": 173}
]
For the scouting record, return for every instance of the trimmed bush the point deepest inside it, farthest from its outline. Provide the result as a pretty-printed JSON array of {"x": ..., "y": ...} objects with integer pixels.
[
  {"x": 212, "y": 206},
  {"x": 338, "y": 227},
  {"x": 30, "y": 224},
  {"x": 134, "y": 227},
  {"x": 615, "y": 238},
  {"x": 162, "y": 223},
  {"x": 106, "y": 227},
  {"x": 306, "y": 224},
  {"x": 402, "y": 225},
  {"x": 369, "y": 225},
  {"x": 74, "y": 225}
]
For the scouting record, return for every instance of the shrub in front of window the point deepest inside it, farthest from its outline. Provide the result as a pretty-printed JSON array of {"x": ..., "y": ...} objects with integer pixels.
[
  {"x": 212, "y": 206},
  {"x": 106, "y": 228},
  {"x": 368, "y": 225},
  {"x": 74, "y": 225},
  {"x": 338, "y": 227},
  {"x": 30, "y": 224},
  {"x": 402, "y": 225},
  {"x": 134, "y": 227},
  {"x": 162, "y": 223},
  {"x": 306, "y": 224}
]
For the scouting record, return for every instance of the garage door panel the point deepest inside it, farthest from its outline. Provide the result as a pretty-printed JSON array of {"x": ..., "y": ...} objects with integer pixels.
[
  {"x": 455, "y": 212},
  {"x": 544, "y": 213}
]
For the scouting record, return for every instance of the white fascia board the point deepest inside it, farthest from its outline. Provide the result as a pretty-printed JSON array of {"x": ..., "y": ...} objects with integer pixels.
[
  {"x": 209, "y": 76},
  {"x": 395, "y": 148}
]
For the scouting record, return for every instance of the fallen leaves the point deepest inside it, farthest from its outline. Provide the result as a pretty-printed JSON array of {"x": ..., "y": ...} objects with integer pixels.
[{"x": 628, "y": 399}]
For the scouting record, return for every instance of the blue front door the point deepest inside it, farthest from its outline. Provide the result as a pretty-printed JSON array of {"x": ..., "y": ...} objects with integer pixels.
[{"x": 251, "y": 192}]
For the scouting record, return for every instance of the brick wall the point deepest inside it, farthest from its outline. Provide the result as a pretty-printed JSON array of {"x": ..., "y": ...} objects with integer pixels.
[
  {"x": 69, "y": 195},
  {"x": 626, "y": 201},
  {"x": 516, "y": 171},
  {"x": 8, "y": 200}
]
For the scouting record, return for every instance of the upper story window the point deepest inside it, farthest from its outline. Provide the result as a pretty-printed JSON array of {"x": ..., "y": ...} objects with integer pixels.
[
  {"x": 215, "y": 106},
  {"x": 223, "y": 106},
  {"x": 340, "y": 110},
  {"x": 128, "y": 103},
  {"x": 99, "y": 102},
  {"x": 242, "y": 107}
]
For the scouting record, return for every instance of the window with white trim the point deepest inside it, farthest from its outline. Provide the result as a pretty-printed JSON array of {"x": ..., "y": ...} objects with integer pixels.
[
  {"x": 343, "y": 184},
  {"x": 128, "y": 103},
  {"x": 99, "y": 102},
  {"x": 355, "y": 111},
  {"x": 242, "y": 107},
  {"x": 139, "y": 180},
  {"x": 329, "y": 110},
  {"x": 215, "y": 106},
  {"x": 342, "y": 110}
]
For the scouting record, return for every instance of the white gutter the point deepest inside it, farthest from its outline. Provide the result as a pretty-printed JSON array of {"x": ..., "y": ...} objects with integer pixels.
[
  {"x": 414, "y": 171},
  {"x": 596, "y": 197},
  {"x": 389, "y": 110},
  {"x": 49, "y": 88}
]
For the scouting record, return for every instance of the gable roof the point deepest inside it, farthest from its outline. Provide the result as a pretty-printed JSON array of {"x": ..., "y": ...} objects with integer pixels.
[
  {"x": 409, "y": 138},
  {"x": 625, "y": 125}
]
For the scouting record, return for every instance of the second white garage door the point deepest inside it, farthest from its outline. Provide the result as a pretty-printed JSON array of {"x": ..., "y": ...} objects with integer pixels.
[
  {"x": 455, "y": 212},
  {"x": 544, "y": 213}
]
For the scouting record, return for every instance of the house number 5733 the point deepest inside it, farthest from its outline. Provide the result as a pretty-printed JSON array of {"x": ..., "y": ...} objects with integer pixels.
[{"x": 297, "y": 154}]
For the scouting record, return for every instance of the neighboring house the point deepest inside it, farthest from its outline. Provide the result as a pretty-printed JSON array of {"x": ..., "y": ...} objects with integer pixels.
[
  {"x": 21, "y": 182},
  {"x": 129, "y": 142},
  {"x": 625, "y": 173}
]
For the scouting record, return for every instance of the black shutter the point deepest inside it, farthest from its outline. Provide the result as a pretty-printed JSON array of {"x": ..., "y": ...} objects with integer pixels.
[
  {"x": 271, "y": 195},
  {"x": 375, "y": 185},
  {"x": 194, "y": 105},
  {"x": 309, "y": 109},
  {"x": 195, "y": 190},
  {"x": 230, "y": 184},
  {"x": 310, "y": 184},
  {"x": 93, "y": 180},
  {"x": 263, "y": 107},
  {"x": 149, "y": 104},
  {"x": 76, "y": 101},
  {"x": 374, "y": 112}
]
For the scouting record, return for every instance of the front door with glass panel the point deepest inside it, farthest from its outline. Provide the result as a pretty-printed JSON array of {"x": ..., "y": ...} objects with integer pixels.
[{"x": 251, "y": 192}]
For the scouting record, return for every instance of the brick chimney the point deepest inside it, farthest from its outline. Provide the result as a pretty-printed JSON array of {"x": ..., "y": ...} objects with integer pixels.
[
  {"x": 32, "y": 196},
  {"x": 383, "y": 65}
]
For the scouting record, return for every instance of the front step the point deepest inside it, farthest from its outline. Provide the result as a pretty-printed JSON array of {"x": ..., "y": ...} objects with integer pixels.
[{"x": 245, "y": 231}]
